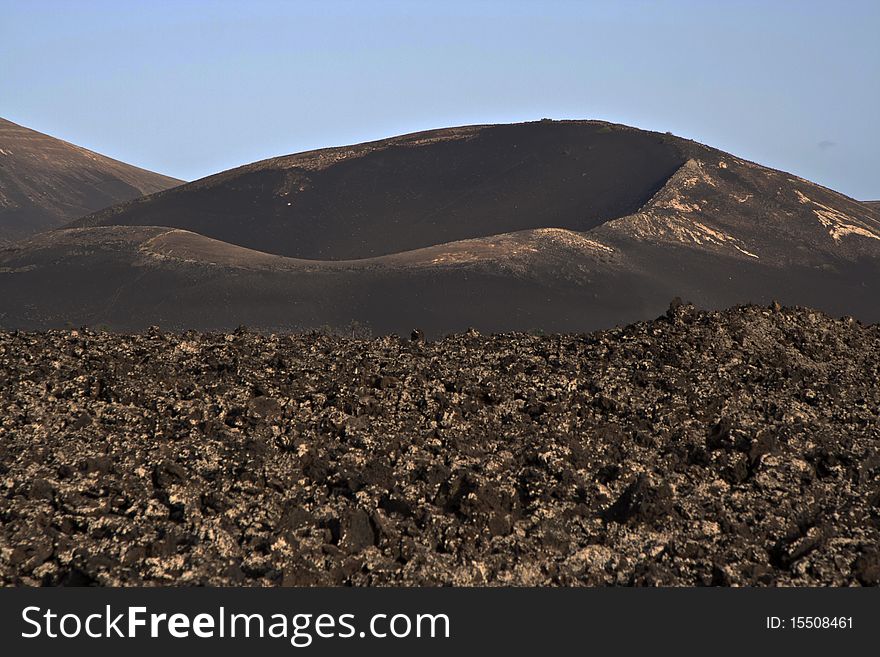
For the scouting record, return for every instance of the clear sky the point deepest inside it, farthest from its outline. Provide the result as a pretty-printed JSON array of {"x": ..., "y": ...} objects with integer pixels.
[{"x": 189, "y": 88}]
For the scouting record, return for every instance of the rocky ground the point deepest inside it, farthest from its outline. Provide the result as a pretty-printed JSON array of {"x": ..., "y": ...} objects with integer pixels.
[{"x": 731, "y": 448}]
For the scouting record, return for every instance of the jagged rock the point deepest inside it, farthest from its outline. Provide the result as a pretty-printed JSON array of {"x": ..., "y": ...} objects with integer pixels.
[{"x": 682, "y": 451}]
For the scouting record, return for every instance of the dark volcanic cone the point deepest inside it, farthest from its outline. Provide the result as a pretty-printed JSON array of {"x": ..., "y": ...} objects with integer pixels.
[
  {"x": 46, "y": 182},
  {"x": 561, "y": 226},
  {"x": 418, "y": 190}
]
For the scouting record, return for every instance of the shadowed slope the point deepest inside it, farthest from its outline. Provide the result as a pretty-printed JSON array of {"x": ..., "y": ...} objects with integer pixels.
[
  {"x": 722, "y": 204},
  {"x": 46, "y": 182},
  {"x": 718, "y": 230},
  {"x": 418, "y": 190},
  {"x": 131, "y": 277}
]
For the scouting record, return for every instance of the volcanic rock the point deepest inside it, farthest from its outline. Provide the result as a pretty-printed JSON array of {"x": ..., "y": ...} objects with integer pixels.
[{"x": 685, "y": 450}]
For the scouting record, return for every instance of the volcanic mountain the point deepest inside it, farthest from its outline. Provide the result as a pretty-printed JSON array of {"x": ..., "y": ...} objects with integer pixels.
[
  {"x": 46, "y": 182},
  {"x": 550, "y": 225}
]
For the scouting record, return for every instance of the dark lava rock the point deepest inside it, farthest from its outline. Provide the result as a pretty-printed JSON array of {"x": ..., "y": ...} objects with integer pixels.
[
  {"x": 358, "y": 532},
  {"x": 867, "y": 568},
  {"x": 726, "y": 448},
  {"x": 643, "y": 501}
]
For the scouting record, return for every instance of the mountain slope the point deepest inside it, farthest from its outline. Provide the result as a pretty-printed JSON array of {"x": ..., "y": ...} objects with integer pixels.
[
  {"x": 446, "y": 185},
  {"x": 654, "y": 217},
  {"x": 46, "y": 182},
  {"x": 417, "y": 190}
]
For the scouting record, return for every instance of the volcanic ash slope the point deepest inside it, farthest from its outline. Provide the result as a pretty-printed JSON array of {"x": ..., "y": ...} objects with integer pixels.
[
  {"x": 558, "y": 226},
  {"x": 46, "y": 182}
]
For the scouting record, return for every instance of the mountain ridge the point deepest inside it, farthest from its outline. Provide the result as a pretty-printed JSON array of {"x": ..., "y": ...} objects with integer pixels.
[
  {"x": 716, "y": 229},
  {"x": 45, "y": 182}
]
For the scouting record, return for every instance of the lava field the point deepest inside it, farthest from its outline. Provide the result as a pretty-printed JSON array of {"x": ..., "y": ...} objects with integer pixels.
[{"x": 702, "y": 448}]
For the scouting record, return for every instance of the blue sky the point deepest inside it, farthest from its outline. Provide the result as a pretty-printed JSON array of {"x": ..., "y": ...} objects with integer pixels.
[{"x": 188, "y": 87}]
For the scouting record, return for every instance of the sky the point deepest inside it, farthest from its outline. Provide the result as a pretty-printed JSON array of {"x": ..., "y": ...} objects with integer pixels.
[{"x": 191, "y": 87}]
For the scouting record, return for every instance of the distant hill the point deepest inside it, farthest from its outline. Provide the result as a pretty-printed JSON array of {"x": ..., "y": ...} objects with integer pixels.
[
  {"x": 557, "y": 226},
  {"x": 417, "y": 190},
  {"x": 46, "y": 182}
]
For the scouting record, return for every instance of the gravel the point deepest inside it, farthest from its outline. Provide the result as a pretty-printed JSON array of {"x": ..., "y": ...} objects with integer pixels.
[{"x": 720, "y": 448}]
